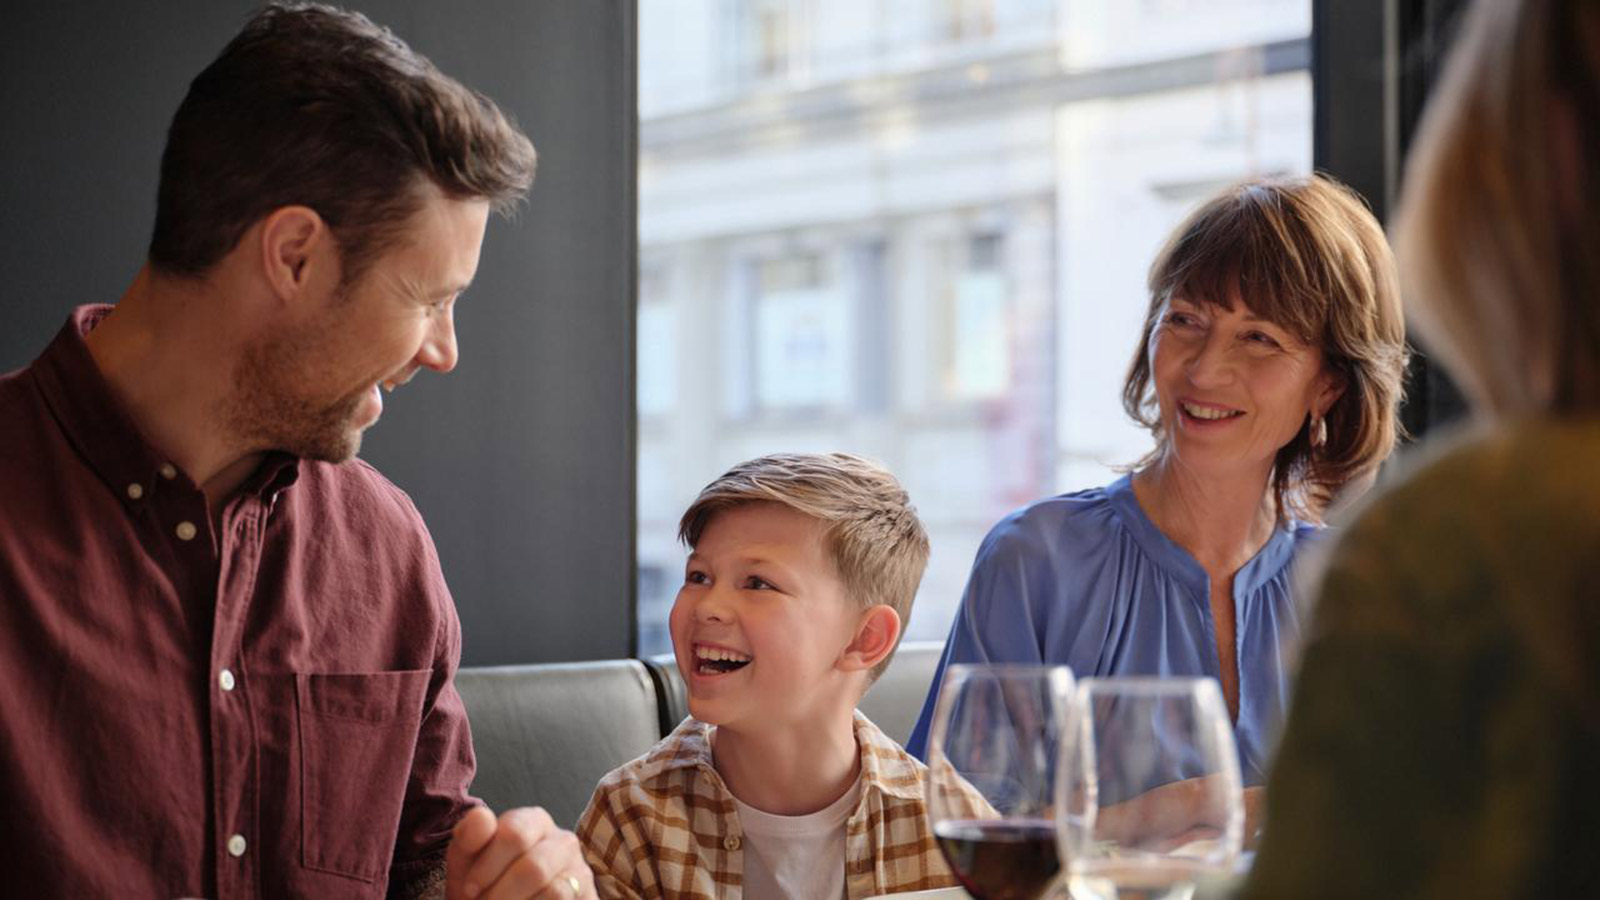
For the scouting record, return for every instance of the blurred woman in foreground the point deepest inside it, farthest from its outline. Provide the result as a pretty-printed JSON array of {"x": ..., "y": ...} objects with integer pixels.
[{"x": 1445, "y": 729}]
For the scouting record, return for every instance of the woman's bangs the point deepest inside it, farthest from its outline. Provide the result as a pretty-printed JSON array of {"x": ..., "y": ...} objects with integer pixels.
[{"x": 1240, "y": 257}]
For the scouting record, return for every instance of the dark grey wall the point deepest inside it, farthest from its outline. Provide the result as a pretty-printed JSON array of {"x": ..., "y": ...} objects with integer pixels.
[
  {"x": 1374, "y": 63},
  {"x": 522, "y": 459}
]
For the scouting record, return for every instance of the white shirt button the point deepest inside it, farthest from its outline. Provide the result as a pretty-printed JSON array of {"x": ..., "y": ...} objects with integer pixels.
[
  {"x": 186, "y": 531},
  {"x": 135, "y": 491},
  {"x": 730, "y": 843},
  {"x": 168, "y": 471},
  {"x": 225, "y": 678},
  {"x": 236, "y": 845}
]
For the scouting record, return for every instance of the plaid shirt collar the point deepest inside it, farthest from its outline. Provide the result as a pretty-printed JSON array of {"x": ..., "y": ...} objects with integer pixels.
[
  {"x": 665, "y": 825},
  {"x": 885, "y": 766}
]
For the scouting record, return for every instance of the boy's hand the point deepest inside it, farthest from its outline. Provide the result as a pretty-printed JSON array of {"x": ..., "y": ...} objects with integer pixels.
[{"x": 520, "y": 855}]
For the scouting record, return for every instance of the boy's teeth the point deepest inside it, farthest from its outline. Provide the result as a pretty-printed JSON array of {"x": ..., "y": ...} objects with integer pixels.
[{"x": 717, "y": 653}]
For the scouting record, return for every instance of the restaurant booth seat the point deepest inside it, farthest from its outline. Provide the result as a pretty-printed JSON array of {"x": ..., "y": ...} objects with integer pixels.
[
  {"x": 545, "y": 734},
  {"x": 895, "y": 700}
]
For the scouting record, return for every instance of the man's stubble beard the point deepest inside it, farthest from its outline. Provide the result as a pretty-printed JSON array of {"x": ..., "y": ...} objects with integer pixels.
[{"x": 271, "y": 407}]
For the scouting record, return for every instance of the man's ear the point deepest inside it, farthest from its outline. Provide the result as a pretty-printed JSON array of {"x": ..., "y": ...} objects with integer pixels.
[
  {"x": 296, "y": 249},
  {"x": 877, "y": 633}
]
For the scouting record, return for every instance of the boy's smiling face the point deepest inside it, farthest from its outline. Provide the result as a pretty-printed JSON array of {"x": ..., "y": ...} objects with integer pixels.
[{"x": 762, "y": 621}]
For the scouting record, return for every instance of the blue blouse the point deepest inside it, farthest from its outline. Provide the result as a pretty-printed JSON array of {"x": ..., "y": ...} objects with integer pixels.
[{"x": 1087, "y": 580}]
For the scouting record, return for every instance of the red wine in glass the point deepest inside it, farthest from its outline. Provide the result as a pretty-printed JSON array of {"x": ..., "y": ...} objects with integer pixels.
[{"x": 1001, "y": 859}]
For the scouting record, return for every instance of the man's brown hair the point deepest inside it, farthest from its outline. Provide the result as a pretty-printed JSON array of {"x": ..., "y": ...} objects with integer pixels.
[
  {"x": 314, "y": 106},
  {"x": 1306, "y": 254},
  {"x": 871, "y": 531}
]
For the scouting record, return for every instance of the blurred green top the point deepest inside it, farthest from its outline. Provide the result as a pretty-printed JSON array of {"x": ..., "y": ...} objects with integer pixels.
[{"x": 1443, "y": 739}]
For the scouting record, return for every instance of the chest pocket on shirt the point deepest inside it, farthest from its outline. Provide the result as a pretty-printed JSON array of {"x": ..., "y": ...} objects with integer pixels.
[{"x": 357, "y": 737}]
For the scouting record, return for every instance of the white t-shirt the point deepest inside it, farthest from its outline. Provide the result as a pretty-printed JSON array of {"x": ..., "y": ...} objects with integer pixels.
[{"x": 796, "y": 857}]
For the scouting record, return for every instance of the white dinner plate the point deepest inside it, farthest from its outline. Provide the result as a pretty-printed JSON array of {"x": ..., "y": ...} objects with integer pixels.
[{"x": 950, "y": 893}]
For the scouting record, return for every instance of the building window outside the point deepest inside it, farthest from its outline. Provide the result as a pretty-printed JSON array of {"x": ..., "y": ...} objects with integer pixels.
[
  {"x": 657, "y": 328},
  {"x": 803, "y": 337},
  {"x": 967, "y": 20},
  {"x": 902, "y": 259},
  {"x": 768, "y": 39},
  {"x": 975, "y": 348}
]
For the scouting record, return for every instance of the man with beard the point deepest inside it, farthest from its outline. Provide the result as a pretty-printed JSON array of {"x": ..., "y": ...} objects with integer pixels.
[{"x": 226, "y": 644}]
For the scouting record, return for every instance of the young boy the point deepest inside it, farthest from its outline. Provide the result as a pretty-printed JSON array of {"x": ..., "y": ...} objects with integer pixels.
[{"x": 802, "y": 571}]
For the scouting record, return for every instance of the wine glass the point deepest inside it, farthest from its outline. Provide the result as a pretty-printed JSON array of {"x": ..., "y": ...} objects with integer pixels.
[
  {"x": 1149, "y": 799},
  {"x": 993, "y": 752}
]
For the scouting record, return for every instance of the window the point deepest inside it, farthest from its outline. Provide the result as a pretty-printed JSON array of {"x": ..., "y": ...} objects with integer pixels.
[
  {"x": 975, "y": 346},
  {"x": 967, "y": 20},
  {"x": 766, "y": 39},
  {"x": 658, "y": 346},
  {"x": 933, "y": 250},
  {"x": 803, "y": 340}
]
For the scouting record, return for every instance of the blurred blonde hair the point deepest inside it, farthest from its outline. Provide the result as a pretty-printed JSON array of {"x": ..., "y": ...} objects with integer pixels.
[
  {"x": 1499, "y": 221},
  {"x": 871, "y": 530},
  {"x": 1306, "y": 254}
]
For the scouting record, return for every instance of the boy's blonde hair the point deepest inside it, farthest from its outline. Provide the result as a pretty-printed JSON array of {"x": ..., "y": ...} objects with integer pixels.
[{"x": 871, "y": 530}]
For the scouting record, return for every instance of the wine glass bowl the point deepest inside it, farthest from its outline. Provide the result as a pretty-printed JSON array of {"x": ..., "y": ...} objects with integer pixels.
[
  {"x": 993, "y": 755},
  {"x": 1149, "y": 797}
]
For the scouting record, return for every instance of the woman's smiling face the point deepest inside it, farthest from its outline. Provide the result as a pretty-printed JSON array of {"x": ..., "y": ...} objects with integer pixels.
[{"x": 1233, "y": 388}]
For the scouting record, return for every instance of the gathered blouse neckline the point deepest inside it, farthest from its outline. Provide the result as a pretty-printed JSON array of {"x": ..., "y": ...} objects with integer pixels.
[{"x": 1261, "y": 568}]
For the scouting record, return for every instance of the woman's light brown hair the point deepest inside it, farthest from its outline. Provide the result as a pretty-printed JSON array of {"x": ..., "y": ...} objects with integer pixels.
[
  {"x": 1307, "y": 255},
  {"x": 1498, "y": 228},
  {"x": 871, "y": 531}
]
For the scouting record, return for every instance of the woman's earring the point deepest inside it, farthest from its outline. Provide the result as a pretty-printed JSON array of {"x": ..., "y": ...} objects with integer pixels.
[{"x": 1319, "y": 431}]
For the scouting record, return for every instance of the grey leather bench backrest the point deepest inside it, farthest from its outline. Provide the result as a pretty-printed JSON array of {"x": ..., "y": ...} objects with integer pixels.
[
  {"x": 545, "y": 734},
  {"x": 893, "y": 702}
]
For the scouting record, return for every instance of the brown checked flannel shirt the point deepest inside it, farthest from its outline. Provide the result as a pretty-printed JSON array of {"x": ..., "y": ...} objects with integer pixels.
[{"x": 664, "y": 826}]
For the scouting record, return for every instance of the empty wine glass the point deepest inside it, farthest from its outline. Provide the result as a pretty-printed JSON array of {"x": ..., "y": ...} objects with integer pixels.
[
  {"x": 993, "y": 753},
  {"x": 1149, "y": 798}
]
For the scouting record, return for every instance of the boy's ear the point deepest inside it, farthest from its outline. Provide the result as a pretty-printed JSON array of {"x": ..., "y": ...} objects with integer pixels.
[{"x": 877, "y": 632}]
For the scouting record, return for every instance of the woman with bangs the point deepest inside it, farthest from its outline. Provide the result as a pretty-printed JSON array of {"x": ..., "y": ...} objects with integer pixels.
[
  {"x": 1269, "y": 372},
  {"x": 1445, "y": 727}
]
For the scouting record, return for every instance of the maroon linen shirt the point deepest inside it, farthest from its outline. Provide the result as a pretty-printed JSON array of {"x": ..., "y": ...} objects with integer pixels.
[{"x": 262, "y": 710}]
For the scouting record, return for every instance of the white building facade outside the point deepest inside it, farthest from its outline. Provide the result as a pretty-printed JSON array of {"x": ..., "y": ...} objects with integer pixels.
[{"x": 918, "y": 230}]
